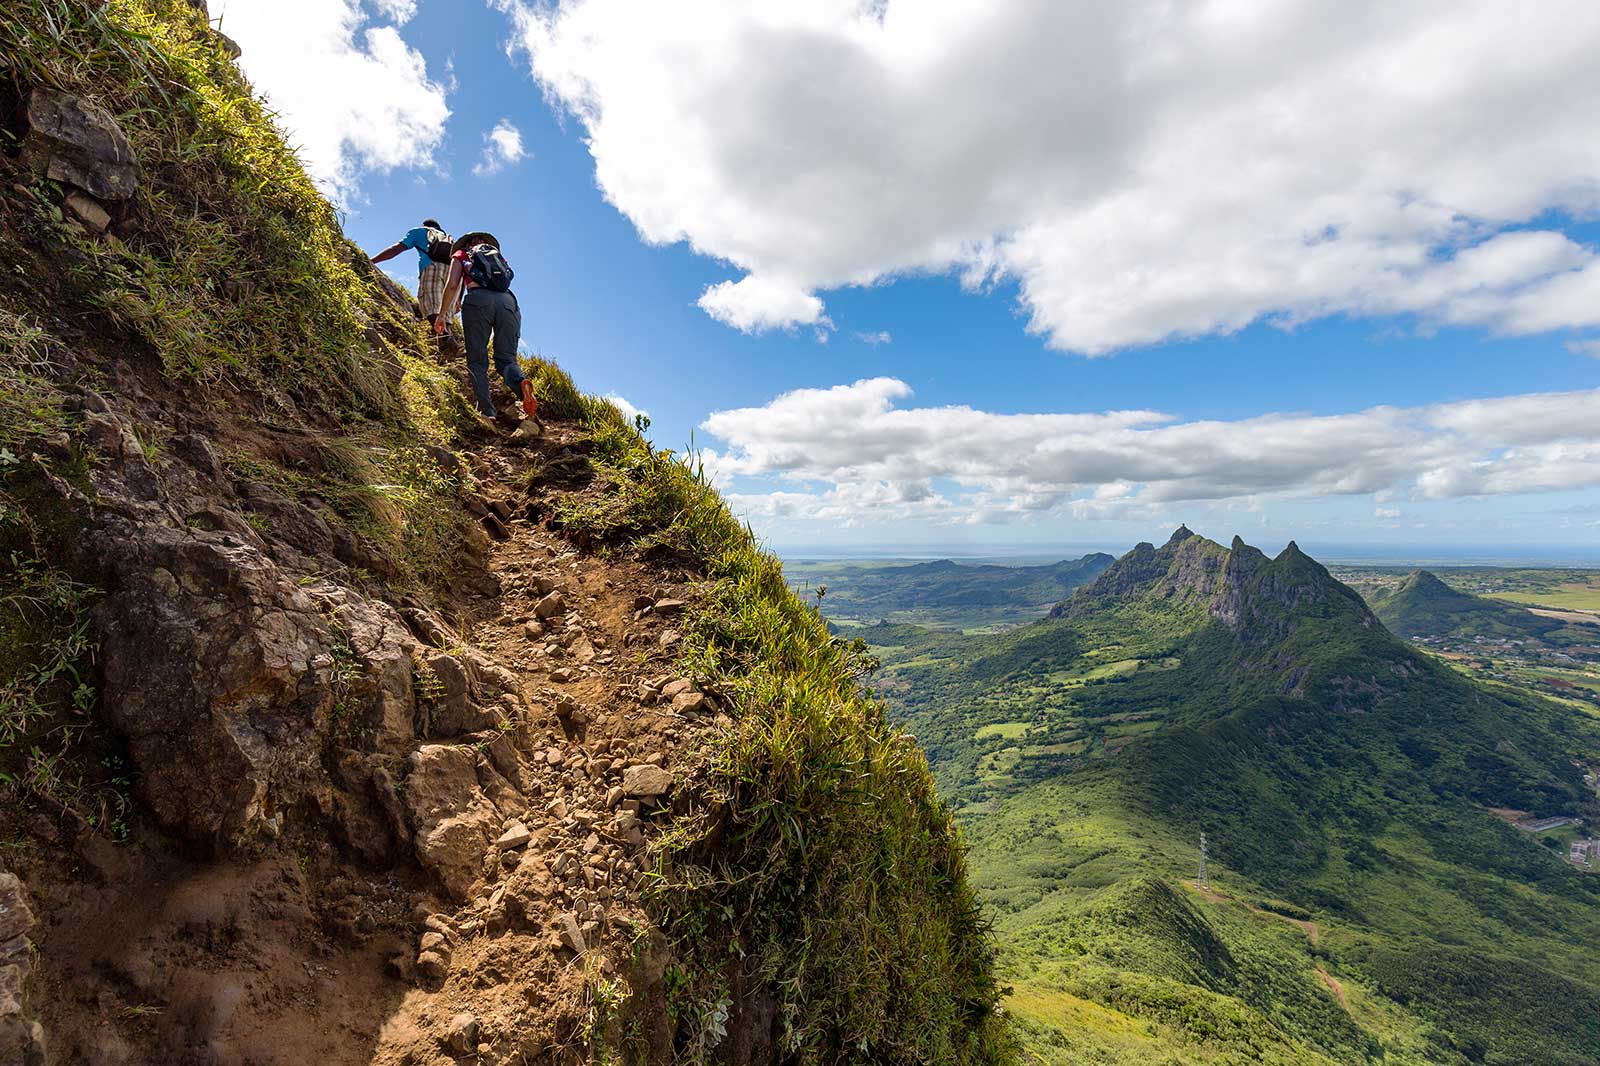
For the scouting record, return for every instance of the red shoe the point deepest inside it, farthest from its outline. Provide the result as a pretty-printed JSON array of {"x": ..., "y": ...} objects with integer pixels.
[{"x": 529, "y": 403}]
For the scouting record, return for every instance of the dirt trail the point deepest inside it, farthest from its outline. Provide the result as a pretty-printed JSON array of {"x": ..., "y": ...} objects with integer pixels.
[
  {"x": 605, "y": 706},
  {"x": 1335, "y": 986},
  {"x": 1214, "y": 895},
  {"x": 531, "y": 825}
]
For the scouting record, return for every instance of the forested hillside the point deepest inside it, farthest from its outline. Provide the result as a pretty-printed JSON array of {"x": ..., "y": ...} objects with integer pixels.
[
  {"x": 1368, "y": 895},
  {"x": 943, "y": 593},
  {"x": 1424, "y": 606}
]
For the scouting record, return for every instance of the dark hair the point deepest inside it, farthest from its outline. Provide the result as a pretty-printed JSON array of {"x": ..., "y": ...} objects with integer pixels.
[{"x": 432, "y": 223}]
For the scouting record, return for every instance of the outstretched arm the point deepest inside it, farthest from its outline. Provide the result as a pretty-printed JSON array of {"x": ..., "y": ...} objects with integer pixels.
[{"x": 390, "y": 252}]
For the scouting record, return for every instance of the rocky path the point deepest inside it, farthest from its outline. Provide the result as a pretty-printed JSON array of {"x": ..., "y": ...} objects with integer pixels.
[
  {"x": 460, "y": 881},
  {"x": 520, "y": 966}
]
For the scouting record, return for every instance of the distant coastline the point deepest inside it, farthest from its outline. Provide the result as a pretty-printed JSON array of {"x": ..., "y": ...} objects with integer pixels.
[{"x": 1583, "y": 556}]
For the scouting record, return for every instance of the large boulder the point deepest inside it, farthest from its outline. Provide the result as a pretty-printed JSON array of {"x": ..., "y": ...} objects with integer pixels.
[
  {"x": 454, "y": 821},
  {"x": 231, "y": 677},
  {"x": 465, "y": 691},
  {"x": 74, "y": 141},
  {"x": 218, "y": 671},
  {"x": 377, "y": 706}
]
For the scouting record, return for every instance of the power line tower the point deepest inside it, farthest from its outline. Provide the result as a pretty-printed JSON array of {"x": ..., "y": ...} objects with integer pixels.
[{"x": 1204, "y": 878}]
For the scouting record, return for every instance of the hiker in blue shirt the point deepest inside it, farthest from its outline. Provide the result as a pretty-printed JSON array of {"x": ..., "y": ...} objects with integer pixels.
[{"x": 433, "y": 247}]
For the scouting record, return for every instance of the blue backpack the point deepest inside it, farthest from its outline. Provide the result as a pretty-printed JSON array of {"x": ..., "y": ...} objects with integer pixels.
[{"x": 488, "y": 268}]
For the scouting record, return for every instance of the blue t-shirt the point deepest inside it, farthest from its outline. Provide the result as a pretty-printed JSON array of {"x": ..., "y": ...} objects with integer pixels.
[{"x": 418, "y": 239}]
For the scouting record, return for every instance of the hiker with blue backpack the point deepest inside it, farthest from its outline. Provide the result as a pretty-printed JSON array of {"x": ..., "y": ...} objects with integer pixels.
[{"x": 481, "y": 278}]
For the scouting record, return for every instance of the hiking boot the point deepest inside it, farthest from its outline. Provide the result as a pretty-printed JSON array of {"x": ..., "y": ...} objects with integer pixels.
[{"x": 529, "y": 403}]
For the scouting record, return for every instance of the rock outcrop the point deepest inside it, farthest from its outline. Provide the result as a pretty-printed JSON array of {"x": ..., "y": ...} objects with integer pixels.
[
  {"x": 21, "y": 1038},
  {"x": 455, "y": 822},
  {"x": 1238, "y": 586},
  {"x": 218, "y": 672},
  {"x": 74, "y": 141}
]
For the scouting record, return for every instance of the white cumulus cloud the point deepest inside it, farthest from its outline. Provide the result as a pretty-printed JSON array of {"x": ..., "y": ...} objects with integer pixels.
[
  {"x": 855, "y": 450},
  {"x": 502, "y": 146},
  {"x": 1142, "y": 170},
  {"x": 754, "y": 304},
  {"x": 401, "y": 11},
  {"x": 875, "y": 338},
  {"x": 629, "y": 411},
  {"x": 352, "y": 97}
]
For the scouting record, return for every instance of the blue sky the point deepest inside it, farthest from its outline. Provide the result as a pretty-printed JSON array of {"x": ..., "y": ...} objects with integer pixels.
[{"x": 1033, "y": 259}]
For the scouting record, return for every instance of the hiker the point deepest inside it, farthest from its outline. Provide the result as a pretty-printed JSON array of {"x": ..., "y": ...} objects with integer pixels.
[
  {"x": 433, "y": 247},
  {"x": 487, "y": 307}
]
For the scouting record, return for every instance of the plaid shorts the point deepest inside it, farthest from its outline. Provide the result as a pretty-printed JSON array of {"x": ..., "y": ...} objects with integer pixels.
[{"x": 430, "y": 287}]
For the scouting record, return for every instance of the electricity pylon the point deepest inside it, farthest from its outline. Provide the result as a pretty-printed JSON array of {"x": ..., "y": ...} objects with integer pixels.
[{"x": 1204, "y": 879}]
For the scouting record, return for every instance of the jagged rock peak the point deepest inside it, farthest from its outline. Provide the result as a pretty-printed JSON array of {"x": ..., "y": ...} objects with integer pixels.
[
  {"x": 1239, "y": 585},
  {"x": 1182, "y": 533},
  {"x": 1242, "y": 557}
]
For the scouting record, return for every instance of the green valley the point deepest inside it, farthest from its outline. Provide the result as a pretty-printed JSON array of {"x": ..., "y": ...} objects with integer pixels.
[
  {"x": 1369, "y": 897},
  {"x": 942, "y": 594}
]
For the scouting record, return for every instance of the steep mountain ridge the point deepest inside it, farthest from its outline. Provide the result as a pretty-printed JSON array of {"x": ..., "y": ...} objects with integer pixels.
[
  {"x": 1238, "y": 585},
  {"x": 337, "y": 727}
]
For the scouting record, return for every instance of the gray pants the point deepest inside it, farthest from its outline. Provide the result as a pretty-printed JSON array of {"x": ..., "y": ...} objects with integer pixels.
[{"x": 484, "y": 312}]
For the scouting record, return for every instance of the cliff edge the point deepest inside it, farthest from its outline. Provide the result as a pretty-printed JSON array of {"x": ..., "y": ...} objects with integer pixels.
[{"x": 337, "y": 728}]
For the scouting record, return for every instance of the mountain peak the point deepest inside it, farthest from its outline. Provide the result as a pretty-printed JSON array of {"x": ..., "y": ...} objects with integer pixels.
[
  {"x": 1423, "y": 605},
  {"x": 1425, "y": 580},
  {"x": 1238, "y": 585},
  {"x": 1425, "y": 587}
]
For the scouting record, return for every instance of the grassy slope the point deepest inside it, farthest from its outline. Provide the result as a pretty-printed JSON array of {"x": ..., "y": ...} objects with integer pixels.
[
  {"x": 1355, "y": 798},
  {"x": 824, "y": 858}
]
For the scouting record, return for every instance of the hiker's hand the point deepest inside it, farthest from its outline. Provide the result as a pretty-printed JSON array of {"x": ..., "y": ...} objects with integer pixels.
[{"x": 439, "y": 326}]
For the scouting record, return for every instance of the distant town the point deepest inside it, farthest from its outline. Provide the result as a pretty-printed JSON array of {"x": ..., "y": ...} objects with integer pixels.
[
  {"x": 1564, "y": 673},
  {"x": 1564, "y": 832}
]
